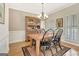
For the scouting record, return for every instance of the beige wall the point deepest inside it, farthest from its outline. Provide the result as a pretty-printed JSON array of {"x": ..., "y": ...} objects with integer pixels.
[
  {"x": 51, "y": 21},
  {"x": 17, "y": 19}
]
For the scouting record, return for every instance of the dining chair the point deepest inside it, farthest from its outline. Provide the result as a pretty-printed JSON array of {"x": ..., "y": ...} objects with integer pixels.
[
  {"x": 45, "y": 42},
  {"x": 57, "y": 38}
]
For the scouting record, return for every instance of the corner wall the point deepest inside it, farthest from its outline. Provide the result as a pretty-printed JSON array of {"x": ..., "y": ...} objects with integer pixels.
[{"x": 17, "y": 25}]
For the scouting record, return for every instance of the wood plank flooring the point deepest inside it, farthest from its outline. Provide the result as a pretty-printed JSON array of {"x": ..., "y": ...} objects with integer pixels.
[{"x": 16, "y": 48}]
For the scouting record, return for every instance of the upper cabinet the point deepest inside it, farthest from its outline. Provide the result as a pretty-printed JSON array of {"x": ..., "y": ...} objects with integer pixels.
[{"x": 31, "y": 23}]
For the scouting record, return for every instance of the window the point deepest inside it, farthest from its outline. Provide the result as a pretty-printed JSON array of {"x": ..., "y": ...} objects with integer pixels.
[{"x": 71, "y": 27}]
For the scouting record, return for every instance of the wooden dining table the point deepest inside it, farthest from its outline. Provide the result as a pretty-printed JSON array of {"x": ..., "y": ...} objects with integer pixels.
[{"x": 38, "y": 37}]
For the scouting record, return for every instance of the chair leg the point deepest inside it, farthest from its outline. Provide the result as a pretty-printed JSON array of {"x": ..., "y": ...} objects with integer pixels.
[
  {"x": 51, "y": 51},
  {"x": 56, "y": 48},
  {"x": 43, "y": 51},
  {"x": 60, "y": 46}
]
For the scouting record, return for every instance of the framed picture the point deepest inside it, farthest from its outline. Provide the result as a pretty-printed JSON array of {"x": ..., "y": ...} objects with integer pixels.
[
  {"x": 59, "y": 22},
  {"x": 2, "y": 13}
]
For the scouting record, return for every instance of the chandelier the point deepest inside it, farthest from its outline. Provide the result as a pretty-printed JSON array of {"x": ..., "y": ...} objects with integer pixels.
[{"x": 42, "y": 16}]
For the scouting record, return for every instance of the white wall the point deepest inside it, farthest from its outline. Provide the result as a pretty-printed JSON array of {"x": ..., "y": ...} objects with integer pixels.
[
  {"x": 4, "y": 33},
  {"x": 17, "y": 36},
  {"x": 42, "y": 24}
]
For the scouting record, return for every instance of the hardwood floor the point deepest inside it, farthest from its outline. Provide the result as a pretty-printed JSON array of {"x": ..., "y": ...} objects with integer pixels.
[
  {"x": 71, "y": 46},
  {"x": 16, "y": 48}
]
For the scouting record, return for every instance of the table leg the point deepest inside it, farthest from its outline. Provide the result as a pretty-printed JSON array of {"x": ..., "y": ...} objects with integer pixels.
[{"x": 37, "y": 47}]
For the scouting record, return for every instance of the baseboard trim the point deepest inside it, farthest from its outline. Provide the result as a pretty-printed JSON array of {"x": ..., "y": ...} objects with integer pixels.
[
  {"x": 3, "y": 54},
  {"x": 71, "y": 43}
]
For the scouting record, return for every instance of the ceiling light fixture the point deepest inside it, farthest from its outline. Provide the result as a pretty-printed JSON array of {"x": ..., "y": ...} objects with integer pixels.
[{"x": 42, "y": 16}]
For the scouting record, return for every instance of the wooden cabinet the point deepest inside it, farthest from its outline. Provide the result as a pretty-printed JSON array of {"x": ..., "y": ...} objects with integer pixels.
[{"x": 31, "y": 24}]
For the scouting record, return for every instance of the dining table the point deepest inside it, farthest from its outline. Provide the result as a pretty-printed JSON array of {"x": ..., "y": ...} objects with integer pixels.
[{"x": 38, "y": 37}]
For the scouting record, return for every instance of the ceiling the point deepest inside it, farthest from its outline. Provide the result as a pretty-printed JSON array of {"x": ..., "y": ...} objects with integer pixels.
[{"x": 36, "y": 8}]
